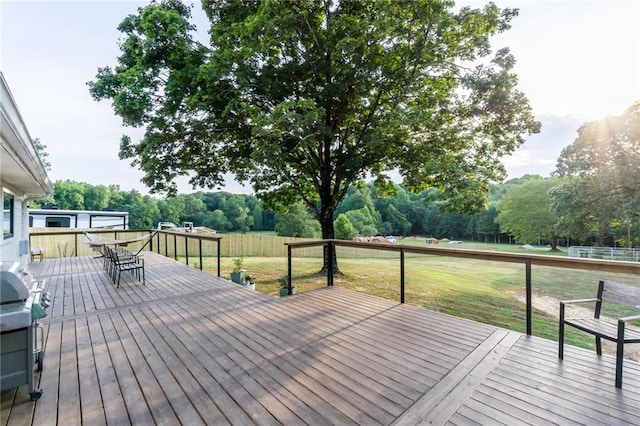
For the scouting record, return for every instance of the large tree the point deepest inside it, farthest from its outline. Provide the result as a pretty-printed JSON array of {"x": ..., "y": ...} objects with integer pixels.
[
  {"x": 603, "y": 168},
  {"x": 303, "y": 98},
  {"x": 525, "y": 212}
]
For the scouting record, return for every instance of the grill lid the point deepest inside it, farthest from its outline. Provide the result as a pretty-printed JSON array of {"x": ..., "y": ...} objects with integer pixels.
[
  {"x": 13, "y": 317},
  {"x": 13, "y": 287}
]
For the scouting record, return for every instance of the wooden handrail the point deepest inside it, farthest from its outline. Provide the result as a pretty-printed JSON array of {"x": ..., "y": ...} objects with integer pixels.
[{"x": 536, "y": 259}]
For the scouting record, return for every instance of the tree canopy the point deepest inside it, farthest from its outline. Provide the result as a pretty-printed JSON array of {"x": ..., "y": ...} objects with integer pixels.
[
  {"x": 525, "y": 212},
  {"x": 603, "y": 168},
  {"x": 305, "y": 98},
  {"x": 297, "y": 223}
]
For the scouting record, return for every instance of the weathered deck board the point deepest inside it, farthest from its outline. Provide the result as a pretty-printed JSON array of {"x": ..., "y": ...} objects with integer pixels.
[{"x": 191, "y": 348}]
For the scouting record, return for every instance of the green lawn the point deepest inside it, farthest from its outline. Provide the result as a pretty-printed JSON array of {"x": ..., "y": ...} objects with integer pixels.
[{"x": 483, "y": 291}]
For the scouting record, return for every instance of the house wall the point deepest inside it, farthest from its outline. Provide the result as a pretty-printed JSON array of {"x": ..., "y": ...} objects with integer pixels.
[{"x": 10, "y": 245}]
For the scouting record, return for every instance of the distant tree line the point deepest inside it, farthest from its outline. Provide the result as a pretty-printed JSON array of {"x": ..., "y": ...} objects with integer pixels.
[
  {"x": 520, "y": 211},
  {"x": 363, "y": 212}
]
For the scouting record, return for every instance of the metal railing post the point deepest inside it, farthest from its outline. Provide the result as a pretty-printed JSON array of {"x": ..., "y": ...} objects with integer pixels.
[
  {"x": 528, "y": 294},
  {"x": 330, "y": 271},
  {"x": 401, "y": 276},
  {"x": 289, "y": 291},
  {"x": 166, "y": 245},
  {"x": 175, "y": 247},
  {"x": 200, "y": 251},
  {"x": 186, "y": 249},
  {"x": 218, "y": 250}
]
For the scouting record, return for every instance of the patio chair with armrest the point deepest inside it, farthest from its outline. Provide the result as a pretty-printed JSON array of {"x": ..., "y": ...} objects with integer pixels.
[{"x": 618, "y": 331}]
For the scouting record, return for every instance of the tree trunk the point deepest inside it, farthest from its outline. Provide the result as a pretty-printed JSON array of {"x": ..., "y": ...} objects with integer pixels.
[
  {"x": 326, "y": 224},
  {"x": 334, "y": 261}
]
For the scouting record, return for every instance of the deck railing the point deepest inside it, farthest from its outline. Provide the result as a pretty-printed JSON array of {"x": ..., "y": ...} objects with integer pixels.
[
  {"x": 187, "y": 246},
  {"x": 527, "y": 260},
  {"x": 171, "y": 244},
  {"x": 188, "y": 242}
]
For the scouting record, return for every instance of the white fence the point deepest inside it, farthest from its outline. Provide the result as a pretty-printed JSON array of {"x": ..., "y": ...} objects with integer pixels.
[{"x": 610, "y": 253}]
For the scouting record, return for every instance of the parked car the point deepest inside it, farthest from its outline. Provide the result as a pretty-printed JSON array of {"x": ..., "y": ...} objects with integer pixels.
[
  {"x": 455, "y": 242},
  {"x": 391, "y": 239}
]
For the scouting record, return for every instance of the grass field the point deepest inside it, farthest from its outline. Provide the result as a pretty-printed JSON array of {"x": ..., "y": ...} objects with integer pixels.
[{"x": 483, "y": 291}]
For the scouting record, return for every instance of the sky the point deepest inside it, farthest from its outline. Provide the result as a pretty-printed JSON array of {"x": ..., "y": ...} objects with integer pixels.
[{"x": 577, "y": 61}]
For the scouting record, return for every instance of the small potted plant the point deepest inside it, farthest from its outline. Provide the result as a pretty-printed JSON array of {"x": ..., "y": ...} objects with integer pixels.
[
  {"x": 249, "y": 282},
  {"x": 237, "y": 274},
  {"x": 284, "y": 286}
]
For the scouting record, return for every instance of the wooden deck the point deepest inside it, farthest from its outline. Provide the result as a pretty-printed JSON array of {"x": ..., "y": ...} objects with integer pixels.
[{"x": 190, "y": 348}]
